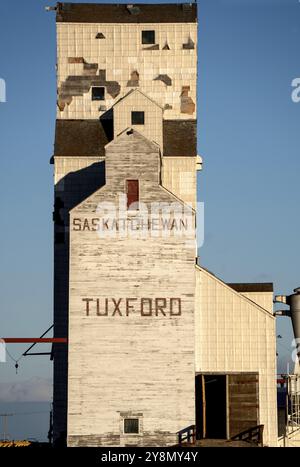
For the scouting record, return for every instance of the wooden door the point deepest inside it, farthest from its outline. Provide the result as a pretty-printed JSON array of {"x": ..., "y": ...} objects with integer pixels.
[
  {"x": 132, "y": 192},
  {"x": 243, "y": 402}
]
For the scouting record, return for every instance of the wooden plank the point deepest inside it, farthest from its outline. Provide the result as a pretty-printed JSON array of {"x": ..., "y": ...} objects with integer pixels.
[{"x": 243, "y": 402}]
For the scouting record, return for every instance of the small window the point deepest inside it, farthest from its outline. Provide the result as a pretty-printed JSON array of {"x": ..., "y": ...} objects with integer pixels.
[
  {"x": 131, "y": 425},
  {"x": 137, "y": 118},
  {"x": 132, "y": 191},
  {"x": 148, "y": 37},
  {"x": 98, "y": 93}
]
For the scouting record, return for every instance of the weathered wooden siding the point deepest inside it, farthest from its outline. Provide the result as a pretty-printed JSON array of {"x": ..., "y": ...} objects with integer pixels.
[
  {"x": 233, "y": 334},
  {"x": 129, "y": 364},
  {"x": 243, "y": 402},
  {"x": 75, "y": 178}
]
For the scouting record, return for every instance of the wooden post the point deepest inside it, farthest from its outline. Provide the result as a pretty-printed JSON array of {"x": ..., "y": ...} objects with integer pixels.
[
  {"x": 227, "y": 408},
  {"x": 204, "y": 406}
]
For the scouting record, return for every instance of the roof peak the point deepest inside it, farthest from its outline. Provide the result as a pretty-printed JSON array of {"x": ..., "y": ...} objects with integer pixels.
[
  {"x": 132, "y": 91},
  {"x": 132, "y": 132}
]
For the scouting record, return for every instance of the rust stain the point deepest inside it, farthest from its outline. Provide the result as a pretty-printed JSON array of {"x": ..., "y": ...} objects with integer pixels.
[
  {"x": 134, "y": 79},
  {"x": 187, "y": 103},
  {"x": 189, "y": 44}
]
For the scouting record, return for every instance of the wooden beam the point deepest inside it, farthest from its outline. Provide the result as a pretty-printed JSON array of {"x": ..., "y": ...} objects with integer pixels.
[{"x": 204, "y": 406}]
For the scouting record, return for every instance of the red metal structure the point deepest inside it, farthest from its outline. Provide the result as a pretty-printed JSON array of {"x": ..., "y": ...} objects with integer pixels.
[{"x": 36, "y": 340}]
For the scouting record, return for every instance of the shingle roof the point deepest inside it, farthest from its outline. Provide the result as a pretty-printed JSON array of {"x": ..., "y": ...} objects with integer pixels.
[
  {"x": 80, "y": 138},
  {"x": 253, "y": 287},
  {"x": 88, "y": 137},
  {"x": 180, "y": 137},
  {"x": 120, "y": 13}
]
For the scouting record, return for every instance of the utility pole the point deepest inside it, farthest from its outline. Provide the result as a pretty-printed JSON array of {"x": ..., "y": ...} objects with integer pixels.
[{"x": 5, "y": 435}]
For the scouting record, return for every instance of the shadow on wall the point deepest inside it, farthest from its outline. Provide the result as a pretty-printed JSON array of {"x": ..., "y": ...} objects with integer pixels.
[
  {"x": 81, "y": 184},
  {"x": 70, "y": 191}
]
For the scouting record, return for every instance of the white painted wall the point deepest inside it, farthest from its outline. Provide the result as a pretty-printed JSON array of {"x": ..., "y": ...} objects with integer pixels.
[{"x": 129, "y": 364}]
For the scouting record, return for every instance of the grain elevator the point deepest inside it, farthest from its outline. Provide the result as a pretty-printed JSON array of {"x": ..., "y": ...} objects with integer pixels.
[{"x": 150, "y": 331}]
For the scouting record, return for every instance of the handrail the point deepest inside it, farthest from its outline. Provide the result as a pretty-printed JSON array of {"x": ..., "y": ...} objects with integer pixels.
[
  {"x": 254, "y": 434},
  {"x": 187, "y": 435}
]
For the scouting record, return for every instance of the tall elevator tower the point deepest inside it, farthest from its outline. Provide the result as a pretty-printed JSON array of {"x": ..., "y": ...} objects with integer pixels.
[{"x": 124, "y": 278}]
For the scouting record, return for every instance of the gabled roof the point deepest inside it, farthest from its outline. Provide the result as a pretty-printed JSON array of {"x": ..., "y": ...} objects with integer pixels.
[
  {"x": 81, "y": 138},
  {"x": 227, "y": 286},
  {"x": 136, "y": 135},
  {"x": 133, "y": 91},
  {"x": 122, "y": 13},
  {"x": 253, "y": 287},
  {"x": 88, "y": 138},
  {"x": 180, "y": 138}
]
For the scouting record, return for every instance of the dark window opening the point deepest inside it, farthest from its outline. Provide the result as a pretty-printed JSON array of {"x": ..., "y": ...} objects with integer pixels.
[
  {"x": 211, "y": 407},
  {"x": 98, "y": 93},
  {"x": 131, "y": 425},
  {"x": 132, "y": 191},
  {"x": 148, "y": 37},
  {"x": 137, "y": 118}
]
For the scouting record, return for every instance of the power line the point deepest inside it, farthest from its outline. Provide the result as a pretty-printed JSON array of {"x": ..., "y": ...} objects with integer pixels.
[
  {"x": 13, "y": 359},
  {"x": 30, "y": 413}
]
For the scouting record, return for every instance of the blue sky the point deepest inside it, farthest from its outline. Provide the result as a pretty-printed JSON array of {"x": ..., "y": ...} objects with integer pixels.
[{"x": 248, "y": 136}]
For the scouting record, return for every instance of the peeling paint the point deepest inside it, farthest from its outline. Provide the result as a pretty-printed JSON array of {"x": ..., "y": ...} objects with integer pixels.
[
  {"x": 187, "y": 103},
  {"x": 102, "y": 74},
  {"x": 189, "y": 44},
  {"x": 63, "y": 100},
  {"x": 77, "y": 85},
  {"x": 152, "y": 47},
  {"x": 165, "y": 79},
  {"x": 90, "y": 69},
  {"x": 134, "y": 80},
  {"x": 76, "y": 60},
  {"x": 133, "y": 9}
]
